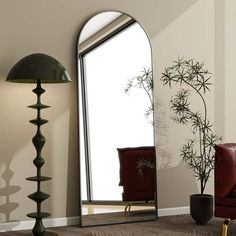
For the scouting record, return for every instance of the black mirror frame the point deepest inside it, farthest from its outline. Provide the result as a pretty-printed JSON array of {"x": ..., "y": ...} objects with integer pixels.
[{"x": 80, "y": 74}]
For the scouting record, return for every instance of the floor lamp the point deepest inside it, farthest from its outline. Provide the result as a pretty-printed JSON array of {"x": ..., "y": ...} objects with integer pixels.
[{"x": 38, "y": 68}]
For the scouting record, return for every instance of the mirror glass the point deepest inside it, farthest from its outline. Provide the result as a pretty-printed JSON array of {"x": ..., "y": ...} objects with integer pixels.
[{"x": 116, "y": 136}]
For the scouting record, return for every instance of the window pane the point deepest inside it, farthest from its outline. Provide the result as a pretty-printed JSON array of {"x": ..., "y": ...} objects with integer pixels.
[{"x": 116, "y": 119}]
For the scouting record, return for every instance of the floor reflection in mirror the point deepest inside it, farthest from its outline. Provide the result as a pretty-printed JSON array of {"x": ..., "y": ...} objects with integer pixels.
[{"x": 117, "y": 213}]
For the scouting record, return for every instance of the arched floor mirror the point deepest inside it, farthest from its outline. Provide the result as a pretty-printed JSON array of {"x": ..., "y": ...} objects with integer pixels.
[{"x": 115, "y": 121}]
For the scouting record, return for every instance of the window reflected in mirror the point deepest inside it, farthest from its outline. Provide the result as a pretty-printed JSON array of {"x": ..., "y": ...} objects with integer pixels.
[{"x": 111, "y": 119}]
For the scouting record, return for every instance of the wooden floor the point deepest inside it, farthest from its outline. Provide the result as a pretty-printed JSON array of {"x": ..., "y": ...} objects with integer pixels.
[{"x": 166, "y": 226}]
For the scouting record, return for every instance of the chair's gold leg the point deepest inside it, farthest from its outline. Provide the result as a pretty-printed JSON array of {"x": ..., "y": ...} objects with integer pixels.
[
  {"x": 127, "y": 208},
  {"x": 225, "y": 227}
]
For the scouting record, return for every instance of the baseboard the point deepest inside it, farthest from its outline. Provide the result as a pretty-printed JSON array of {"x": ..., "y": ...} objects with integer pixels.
[
  {"x": 173, "y": 211},
  {"x": 29, "y": 224},
  {"x": 56, "y": 222}
]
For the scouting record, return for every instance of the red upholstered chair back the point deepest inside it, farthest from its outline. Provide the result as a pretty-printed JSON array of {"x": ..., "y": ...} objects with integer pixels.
[
  {"x": 225, "y": 169},
  {"x": 225, "y": 180},
  {"x": 137, "y": 173}
]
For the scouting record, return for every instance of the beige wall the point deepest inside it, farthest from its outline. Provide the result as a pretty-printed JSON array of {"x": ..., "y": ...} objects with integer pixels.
[
  {"x": 176, "y": 28},
  {"x": 230, "y": 65}
]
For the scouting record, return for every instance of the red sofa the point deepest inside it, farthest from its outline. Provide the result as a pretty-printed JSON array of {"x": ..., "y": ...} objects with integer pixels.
[
  {"x": 138, "y": 173},
  {"x": 225, "y": 183}
]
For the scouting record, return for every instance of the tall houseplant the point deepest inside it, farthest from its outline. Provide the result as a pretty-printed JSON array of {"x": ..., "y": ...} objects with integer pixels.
[{"x": 198, "y": 152}]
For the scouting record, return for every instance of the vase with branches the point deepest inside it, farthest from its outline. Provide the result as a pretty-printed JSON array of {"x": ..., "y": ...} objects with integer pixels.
[{"x": 198, "y": 152}]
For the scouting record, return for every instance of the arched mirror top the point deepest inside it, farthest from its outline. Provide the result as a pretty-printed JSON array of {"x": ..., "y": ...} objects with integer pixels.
[{"x": 102, "y": 26}]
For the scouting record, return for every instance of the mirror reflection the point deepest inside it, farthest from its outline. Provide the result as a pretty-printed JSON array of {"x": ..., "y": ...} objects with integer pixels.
[{"x": 117, "y": 154}]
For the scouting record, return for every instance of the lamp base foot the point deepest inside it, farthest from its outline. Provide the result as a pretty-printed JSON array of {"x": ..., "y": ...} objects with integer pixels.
[{"x": 48, "y": 233}]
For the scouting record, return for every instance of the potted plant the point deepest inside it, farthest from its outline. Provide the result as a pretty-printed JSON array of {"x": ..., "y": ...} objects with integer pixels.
[{"x": 198, "y": 152}]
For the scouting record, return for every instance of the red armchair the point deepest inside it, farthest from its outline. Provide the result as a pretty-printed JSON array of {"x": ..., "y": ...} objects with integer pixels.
[
  {"x": 225, "y": 183},
  {"x": 137, "y": 173}
]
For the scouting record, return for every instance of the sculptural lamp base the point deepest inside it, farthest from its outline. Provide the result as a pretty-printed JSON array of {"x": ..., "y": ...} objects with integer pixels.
[
  {"x": 48, "y": 233},
  {"x": 38, "y": 141},
  {"x": 38, "y": 68}
]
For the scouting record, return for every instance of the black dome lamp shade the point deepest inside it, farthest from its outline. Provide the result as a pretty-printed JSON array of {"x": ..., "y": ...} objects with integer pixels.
[{"x": 38, "y": 68}]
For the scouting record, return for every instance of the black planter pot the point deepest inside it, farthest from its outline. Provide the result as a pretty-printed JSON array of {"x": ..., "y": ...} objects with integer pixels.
[{"x": 201, "y": 208}]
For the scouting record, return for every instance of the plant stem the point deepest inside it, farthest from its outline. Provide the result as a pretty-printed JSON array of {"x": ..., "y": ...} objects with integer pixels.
[{"x": 201, "y": 138}]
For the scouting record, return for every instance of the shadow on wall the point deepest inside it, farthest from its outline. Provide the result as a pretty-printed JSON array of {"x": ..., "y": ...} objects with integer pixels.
[
  {"x": 73, "y": 180},
  {"x": 166, "y": 13},
  {"x": 7, "y": 190},
  {"x": 182, "y": 185},
  {"x": 8, "y": 127},
  {"x": 171, "y": 179},
  {"x": 165, "y": 156}
]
